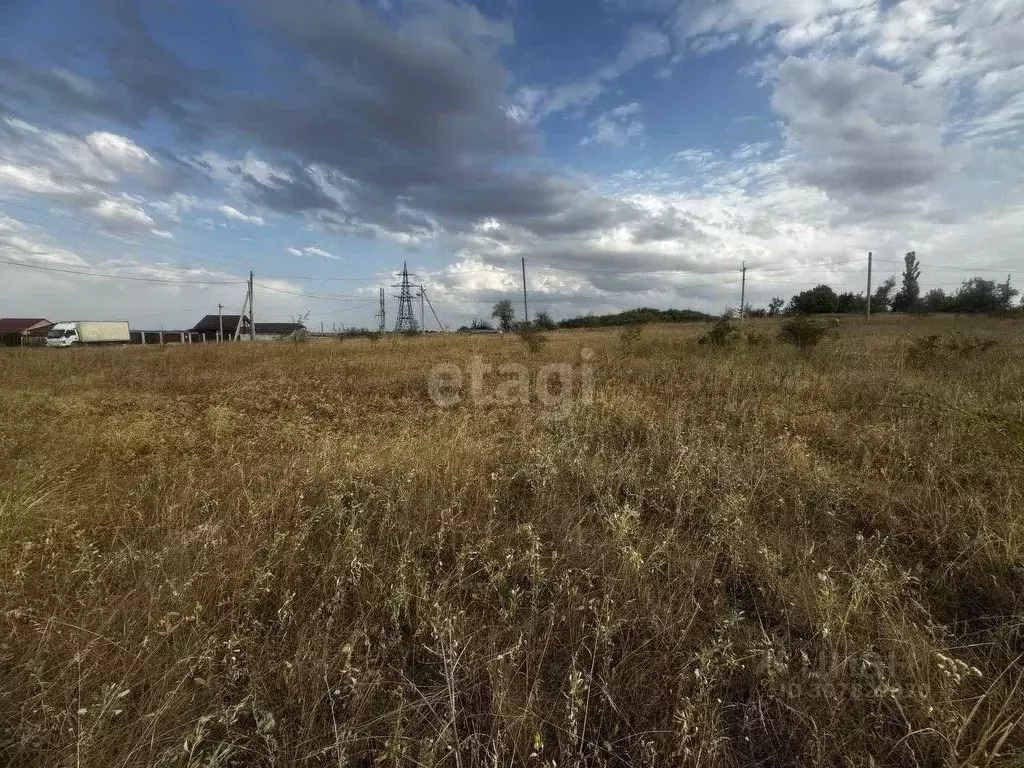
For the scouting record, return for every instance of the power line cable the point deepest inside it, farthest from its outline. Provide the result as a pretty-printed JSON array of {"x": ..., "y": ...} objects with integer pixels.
[
  {"x": 117, "y": 277},
  {"x": 335, "y": 297},
  {"x": 925, "y": 267}
]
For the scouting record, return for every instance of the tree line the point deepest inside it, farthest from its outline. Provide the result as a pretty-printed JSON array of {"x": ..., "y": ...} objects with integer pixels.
[
  {"x": 504, "y": 318},
  {"x": 975, "y": 295}
]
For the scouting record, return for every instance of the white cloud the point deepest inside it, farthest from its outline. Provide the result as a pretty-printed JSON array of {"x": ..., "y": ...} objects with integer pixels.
[
  {"x": 101, "y": 157},
  {"x": 178, "y": 203},
  {"x": 123, "y": 212},
  {"x": 42, "y": 181},
  {"x": 20, "y": 243},
  {"x": 233, "y": 213},
  {"x": 617, "y": 127},
  {"x": 236, "y": 174},
  {"x": 314, "y": 251},
  {"x": 163, "y": 234},
  {"x": 643, "y": 43},
  {"x": 120, "y": 152},
  {"x": 860, "y": 129}
]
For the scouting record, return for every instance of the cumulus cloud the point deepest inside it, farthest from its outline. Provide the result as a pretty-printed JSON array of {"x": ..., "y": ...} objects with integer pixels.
[
  {"x": 406, "y": 127},
  {"x": 120, "y": 152},
  {"x": 395, "y": 130},
  {"x": 860, "y": 129}
]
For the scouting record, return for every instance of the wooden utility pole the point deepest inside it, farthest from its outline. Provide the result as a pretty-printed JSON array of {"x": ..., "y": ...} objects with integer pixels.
[
  {"x": 743, "y": 294},
  {"x": 868, "y": 310},
  {"x": 252, "y": 312},
  {"x": 423, "y": 321},
  {"x": 526, "y": 308},
  {"x": 220, "y": 321}
]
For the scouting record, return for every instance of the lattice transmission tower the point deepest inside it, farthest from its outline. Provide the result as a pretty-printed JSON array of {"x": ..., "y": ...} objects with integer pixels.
[
  {"x": 406, "y": 319},
  {"x": 382, "y": 313}
]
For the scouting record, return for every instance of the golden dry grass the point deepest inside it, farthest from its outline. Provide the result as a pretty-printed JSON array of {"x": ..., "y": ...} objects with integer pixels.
[{"x": 284, "y": 554}]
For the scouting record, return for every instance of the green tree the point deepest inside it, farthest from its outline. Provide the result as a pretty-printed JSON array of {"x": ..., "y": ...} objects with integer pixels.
[
  {"x": 817, "y": 301},
  {"x": 543, "y": 321},
  {"x": 505, "y": 313},
  {"x": 908, "y": 297},
  {"x": 1006, "y": 294},
  {"x": 980, "y": 295},
  {"x": 936, "y": 300},
  {"x": 882, "y": 299},
  {"x": 803, "y": 332},
  {"x": 775, "y": 306},
  {"x": 851, "y": 303}
]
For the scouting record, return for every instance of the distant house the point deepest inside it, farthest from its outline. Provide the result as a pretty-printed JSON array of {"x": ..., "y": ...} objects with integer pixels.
[
  {"x": 210, "y": 326},
  {"x": 15, "y": 331}
]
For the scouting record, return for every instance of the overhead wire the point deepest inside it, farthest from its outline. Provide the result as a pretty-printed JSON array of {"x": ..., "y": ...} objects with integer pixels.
[{"x": 83, "y": 273}]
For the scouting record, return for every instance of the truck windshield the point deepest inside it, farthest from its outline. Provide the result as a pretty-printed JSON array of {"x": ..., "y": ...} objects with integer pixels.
[{"x": 59, "y": 334}]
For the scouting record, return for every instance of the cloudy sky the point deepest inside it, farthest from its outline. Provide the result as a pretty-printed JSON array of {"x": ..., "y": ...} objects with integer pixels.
[{"x": 635, "y": 152}]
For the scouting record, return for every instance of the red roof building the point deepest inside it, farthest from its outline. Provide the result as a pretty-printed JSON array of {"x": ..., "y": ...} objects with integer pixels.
[{"x": 26, "y": 326}]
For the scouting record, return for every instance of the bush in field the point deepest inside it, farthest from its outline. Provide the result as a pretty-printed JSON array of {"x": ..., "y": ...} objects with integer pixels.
[
  {"x": 938, "y": 348},
  {"x": 803, "y": 332},
  {"x": 532, "y": 336},
  {"x": 544, "y": 321},
  {"x": 630, "y": 336},
  {"x": 359, "y": 333},
  {"x": 723, "y": 332}
]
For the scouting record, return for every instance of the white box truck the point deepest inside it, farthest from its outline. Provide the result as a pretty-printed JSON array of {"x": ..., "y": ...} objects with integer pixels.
[{"x": 88, "y": 332}]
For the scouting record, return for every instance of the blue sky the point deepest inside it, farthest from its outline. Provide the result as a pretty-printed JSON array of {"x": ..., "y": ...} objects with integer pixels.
[{"x": 633, "y": 152}]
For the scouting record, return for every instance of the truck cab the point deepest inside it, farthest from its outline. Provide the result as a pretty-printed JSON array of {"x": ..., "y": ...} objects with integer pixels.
[{"x": 62, "y": 335}]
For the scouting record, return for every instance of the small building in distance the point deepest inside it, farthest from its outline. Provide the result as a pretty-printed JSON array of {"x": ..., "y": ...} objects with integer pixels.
[
  {"x": 19, "y": 331},
  {"x": 209, "y": 327}
]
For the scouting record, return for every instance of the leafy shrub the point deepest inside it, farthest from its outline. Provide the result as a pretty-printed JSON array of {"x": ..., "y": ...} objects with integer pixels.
[
  {"x": 723, "y": 332},
  {"x": 937, "y": 348},
  {"x": 544, "y": 322},
  {"x": 803, "y": 332},
  {"x": 531, "y": 336},
  {"x": 629, "y": 336},
  {"x": 359, "y": 333}
]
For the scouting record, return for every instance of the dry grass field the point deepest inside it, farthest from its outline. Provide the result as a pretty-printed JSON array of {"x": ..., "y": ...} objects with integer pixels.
[{"x": 285, "y": 554}]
